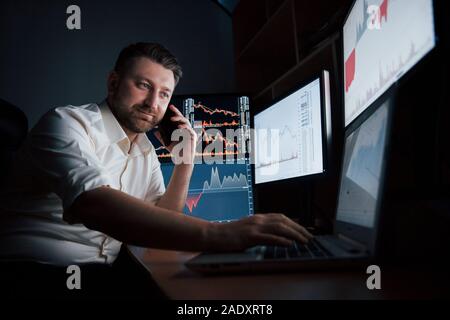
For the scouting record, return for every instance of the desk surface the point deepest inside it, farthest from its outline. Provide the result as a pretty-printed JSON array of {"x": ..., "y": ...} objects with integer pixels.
[{"x": 178, "y": 282}]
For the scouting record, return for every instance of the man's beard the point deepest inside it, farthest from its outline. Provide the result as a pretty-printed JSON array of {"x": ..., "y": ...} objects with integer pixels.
[{"x": 130, "y": 118}]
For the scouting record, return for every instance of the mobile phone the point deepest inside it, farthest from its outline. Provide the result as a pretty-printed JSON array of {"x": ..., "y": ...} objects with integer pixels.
[{"x": 167, "y": 126}]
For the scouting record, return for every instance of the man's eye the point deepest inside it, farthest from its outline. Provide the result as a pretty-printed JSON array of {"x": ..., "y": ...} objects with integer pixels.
[
  {"x": 165, "y": 95},
  {"x": 145, "y": 85}
]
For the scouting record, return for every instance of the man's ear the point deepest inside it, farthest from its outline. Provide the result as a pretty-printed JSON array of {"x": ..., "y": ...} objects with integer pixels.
[{"x": 113, "y": 82}]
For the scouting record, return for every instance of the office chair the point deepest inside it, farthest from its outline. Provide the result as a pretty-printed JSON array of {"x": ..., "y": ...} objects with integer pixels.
[{"x": 13, "y": 130}]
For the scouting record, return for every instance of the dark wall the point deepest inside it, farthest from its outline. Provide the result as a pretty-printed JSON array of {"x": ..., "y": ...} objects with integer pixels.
[{"x": 44, "y": 65}]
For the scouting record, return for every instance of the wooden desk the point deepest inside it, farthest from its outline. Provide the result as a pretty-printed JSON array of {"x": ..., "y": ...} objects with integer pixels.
[{"x": 178, "y": 282}]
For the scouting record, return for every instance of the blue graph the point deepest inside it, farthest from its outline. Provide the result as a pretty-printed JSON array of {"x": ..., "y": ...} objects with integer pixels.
[{"x": 217, "y": 192}]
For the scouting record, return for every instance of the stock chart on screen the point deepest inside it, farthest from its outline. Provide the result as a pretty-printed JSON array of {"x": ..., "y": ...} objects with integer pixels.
[
  {"x": 382, "y": 39},
  {"x": 218, "y": 192},
  {"x": 288, "y": 137},
  {"x": 220, "y": 121},
  {"x": 362, "y": 170}
]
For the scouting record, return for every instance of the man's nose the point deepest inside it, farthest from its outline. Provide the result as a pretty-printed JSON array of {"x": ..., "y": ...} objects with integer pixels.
[{"x": 151, "y": 101}]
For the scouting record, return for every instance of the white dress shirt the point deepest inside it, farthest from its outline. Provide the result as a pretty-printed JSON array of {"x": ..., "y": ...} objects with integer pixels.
[{"x": 71, "y": 150}]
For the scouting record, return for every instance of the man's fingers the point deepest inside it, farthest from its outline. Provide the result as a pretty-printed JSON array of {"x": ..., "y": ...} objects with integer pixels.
[
  {"x": 271, "y": 239},
  {"x": 188, "y": 128},
  {"x": 304, "y": 231},
  {"x": 286, "y": 231},
  {"x": 185, "y": 126},
  {"x": 175, "y": 109},
  {"x": 299, "y": 228},
  {"x": 180, "y": 119}
]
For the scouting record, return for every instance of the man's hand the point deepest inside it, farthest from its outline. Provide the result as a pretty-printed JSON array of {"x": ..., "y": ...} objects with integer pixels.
[
  {"x": 185, "y": 148},
  {"x": 259, "y": 229}
]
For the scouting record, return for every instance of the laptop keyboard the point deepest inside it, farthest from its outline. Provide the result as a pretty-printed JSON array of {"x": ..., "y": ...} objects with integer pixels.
[{"x": 298, "y": 250}]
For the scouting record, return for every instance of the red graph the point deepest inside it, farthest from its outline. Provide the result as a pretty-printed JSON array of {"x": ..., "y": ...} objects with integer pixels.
[
  {"x": 212, "y": 154},
  {"x": 192, "y": 201},
  {"x": 224, "y": 124},
  {"x": 212, "y": 111},
  {"x": 350, "y": 70},
  {"x": 203, "y": 154},
  {"x": 210, "y": 138},
  {"x": 384, "y": 10}
]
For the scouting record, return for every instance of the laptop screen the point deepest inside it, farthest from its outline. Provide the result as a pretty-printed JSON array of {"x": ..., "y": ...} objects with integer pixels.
[{"x": 362, "y": 170}]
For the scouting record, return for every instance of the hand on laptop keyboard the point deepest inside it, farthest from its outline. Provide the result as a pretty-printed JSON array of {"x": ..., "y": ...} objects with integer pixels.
[{"x": 259, "y": 229}]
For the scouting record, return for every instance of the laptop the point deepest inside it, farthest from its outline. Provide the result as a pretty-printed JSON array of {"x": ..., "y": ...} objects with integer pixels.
[{"x": 356, "y": 225}]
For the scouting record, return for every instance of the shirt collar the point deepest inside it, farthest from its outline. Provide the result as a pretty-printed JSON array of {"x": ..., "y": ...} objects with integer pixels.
[{"x": 117, "y": 135}]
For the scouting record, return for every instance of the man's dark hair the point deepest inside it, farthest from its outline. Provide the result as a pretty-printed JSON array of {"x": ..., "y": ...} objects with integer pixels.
[{"x": 153, "y": 51}]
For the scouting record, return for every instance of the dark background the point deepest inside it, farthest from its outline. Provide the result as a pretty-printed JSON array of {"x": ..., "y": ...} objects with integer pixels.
[{"x": 44, "y": 65}]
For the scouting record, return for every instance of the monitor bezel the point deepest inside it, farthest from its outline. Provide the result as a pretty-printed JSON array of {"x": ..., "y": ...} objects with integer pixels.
[
  {"x": 365, "y": 236},
  {"x": 326, "y": 126}
]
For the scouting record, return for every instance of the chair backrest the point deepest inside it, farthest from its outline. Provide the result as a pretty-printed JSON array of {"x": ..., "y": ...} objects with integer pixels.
[{"x": 13, "y": 130}]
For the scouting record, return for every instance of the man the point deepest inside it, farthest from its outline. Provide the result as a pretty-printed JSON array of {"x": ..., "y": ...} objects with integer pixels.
[{"x": 87, "y": 179}]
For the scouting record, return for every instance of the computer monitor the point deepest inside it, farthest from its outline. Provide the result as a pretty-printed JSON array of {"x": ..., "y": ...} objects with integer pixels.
[
  {"x": 221, "y": 121},
  {"x": 382, "y": 40},
  {"x": 218, "y": 192},
  {"x": 292, "y": 134}
]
